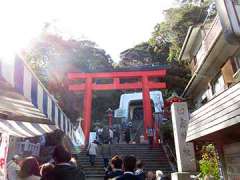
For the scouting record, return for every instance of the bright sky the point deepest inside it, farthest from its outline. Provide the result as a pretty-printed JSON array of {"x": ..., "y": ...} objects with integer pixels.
[{"x": 114, "y": 25}]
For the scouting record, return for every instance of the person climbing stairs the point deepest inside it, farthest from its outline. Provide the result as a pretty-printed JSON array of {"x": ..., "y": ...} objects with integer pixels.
[{"x": 153, "y": 159}]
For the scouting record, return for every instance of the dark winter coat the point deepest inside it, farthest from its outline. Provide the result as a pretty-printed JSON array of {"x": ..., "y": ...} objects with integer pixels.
[
  {"x": 128, "y": 177},
  {"x": 127, "y": 135},
  {"x": 67, "y": 172},
  {"x": 113, "y": 174}
]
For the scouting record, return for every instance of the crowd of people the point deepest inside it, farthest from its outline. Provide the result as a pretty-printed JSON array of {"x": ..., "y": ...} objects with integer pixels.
[
  {"x": 112, "y": 135},
  {"x": 130, "y": 169},
  {"x": 105, "y": 137},
  {"x": 117, "y": 168},
  {"x": 103, "y": 149},
  {"x": 61, "y": 167}
]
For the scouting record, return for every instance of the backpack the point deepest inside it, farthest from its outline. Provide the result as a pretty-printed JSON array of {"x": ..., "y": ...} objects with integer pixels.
[{"x": 105, "y": 135}]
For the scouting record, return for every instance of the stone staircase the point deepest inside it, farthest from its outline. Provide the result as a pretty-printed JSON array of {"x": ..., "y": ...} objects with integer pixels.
[{"x": 154, "y": 159}]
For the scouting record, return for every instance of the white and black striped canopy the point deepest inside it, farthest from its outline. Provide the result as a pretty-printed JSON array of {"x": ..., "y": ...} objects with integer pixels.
[{"x": 31, "y": 110}]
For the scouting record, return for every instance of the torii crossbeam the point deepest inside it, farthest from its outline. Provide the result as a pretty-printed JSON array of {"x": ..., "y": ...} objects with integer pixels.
[{"x": 89, "y": 85}]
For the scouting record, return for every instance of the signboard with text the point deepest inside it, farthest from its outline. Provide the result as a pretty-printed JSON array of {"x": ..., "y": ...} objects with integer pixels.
[
  {"x": 119, "y": 113},
  {"x": 4, "y": 142}
]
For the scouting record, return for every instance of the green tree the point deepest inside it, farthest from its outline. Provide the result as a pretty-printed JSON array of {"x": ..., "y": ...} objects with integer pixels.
[
  {"x": 165, "y": 44},
  {"x": 174, "y": 29},
  {"x": 52, "y": 57}
]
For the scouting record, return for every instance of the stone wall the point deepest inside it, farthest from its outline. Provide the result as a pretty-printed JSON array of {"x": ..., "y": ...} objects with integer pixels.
[{"x": 232, "y": 160}]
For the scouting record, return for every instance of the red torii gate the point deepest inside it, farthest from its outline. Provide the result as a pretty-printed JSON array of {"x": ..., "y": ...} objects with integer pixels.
[{"x": 89, "y": 85}]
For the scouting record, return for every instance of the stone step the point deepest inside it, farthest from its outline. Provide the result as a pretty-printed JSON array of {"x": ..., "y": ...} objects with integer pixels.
[
  {"x": 96, "y": 172},
  {"x": 101, "y": 171},
  {"x": 144, "y": 146},
  {"x": 100, "y": 164},
  {"x": 131, "y": 150},
  {"x": 99, "y": 157},
  {"x": 163, "y": 164},
  {"x": 154, "y": 159},
  {"x": 146, "y": 156},
  {"x": 124, "y": 154},
  {"x": 141, "y": 149},
  {"x": 149, "y": 166},
  {"x": 145, "y": 161}
]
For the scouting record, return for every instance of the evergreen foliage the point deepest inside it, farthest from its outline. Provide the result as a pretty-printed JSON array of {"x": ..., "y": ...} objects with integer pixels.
[
  {"x": 51, "y": 57},
  {"x": 209, "y": 162},
  {"x": 166, "y": 42}
]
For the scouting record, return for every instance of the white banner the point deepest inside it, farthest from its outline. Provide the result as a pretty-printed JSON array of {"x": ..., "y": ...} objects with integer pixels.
[
  {"x": 92, "y": 136},
  {"x": 4, "y": 142},
  {"x": 78, "y": 137}
]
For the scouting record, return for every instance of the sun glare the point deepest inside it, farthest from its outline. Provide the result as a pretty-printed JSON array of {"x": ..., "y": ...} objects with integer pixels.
[
  {"x": 13, "y": 41},
  {"x": 22, "y": 21},
  {"x": 7, "y": 57}
]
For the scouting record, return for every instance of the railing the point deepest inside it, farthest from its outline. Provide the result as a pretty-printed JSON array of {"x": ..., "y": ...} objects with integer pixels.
[
  {"x": 136, "y": 136},
  {"x": 23, "y": 148},
  {"x": 220, "y": 112},
  {"x": 171, "y": 156},
  {"x": 209, "y": 40}
]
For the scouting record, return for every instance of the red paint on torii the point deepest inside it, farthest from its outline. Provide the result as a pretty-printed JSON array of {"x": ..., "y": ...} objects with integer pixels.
[{"x": 89, "y": 86}]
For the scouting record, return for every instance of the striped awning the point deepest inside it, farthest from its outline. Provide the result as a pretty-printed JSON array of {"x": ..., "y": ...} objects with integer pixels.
[
  {"x": 33, "y": 110},
  {"x": 24, "y": 129}
]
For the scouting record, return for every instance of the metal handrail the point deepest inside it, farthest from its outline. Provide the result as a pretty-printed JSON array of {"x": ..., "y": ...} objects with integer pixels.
[
  {"x": 170, "y": 155},
  {"x": 137, "y": 129},
  {"x": 171, "y": 152}
]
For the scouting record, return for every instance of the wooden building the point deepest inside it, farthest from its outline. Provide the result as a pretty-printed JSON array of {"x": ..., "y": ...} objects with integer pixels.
[{"x": 213, "y": 92}]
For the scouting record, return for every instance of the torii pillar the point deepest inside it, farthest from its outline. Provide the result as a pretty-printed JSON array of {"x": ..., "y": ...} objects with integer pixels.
[
  {"x": 147, "y": 107},
  {"x": 87, "y": 108}
]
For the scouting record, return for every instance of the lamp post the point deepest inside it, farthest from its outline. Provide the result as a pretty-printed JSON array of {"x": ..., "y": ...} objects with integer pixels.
[
  {"x": 158, "y": 120},
  {"x": 110, "y": 116}
]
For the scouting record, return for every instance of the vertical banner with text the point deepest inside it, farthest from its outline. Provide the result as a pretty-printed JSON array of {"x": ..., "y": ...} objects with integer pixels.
[{"x": 4, "y": 142}]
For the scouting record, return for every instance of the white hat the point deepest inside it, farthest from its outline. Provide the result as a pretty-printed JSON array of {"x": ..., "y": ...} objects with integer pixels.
[
  {"x": 16, "y": 157},
  {"x": 159, "y": 173}
]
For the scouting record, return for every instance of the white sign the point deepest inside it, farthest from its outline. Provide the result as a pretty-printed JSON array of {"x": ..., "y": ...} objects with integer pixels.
[
  {"x": 4, "y": 142},
  {"x": 92, "y": 136},
  {"x": 119, "y": 113},
  {"x": 184, "y": 151}
]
